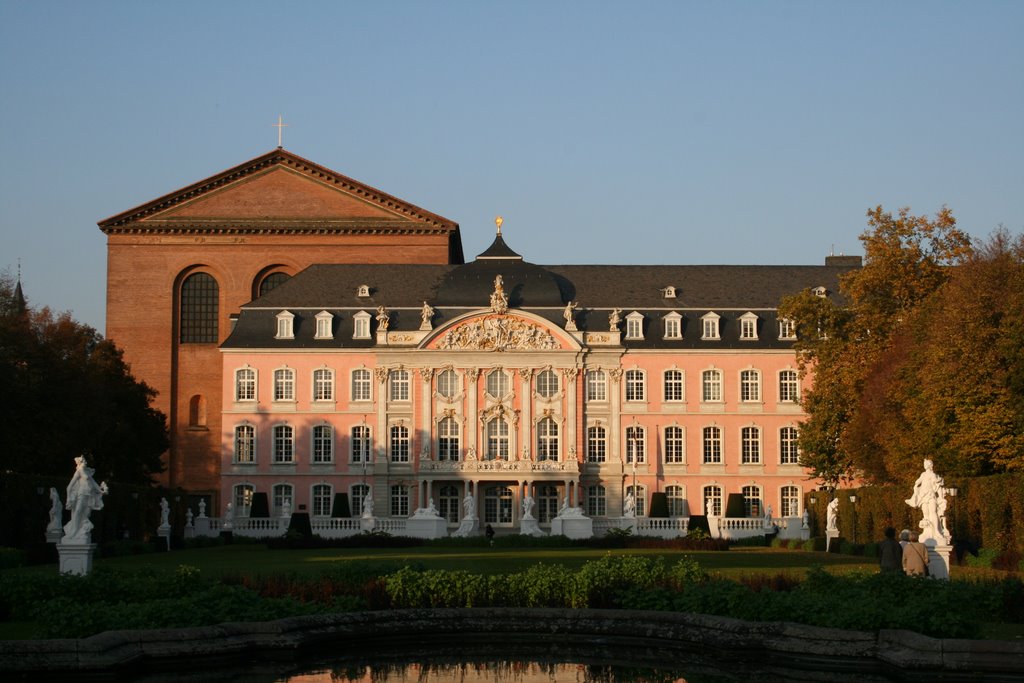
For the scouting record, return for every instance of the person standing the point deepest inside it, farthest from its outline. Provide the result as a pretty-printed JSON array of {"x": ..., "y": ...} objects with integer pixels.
[
  {"x": 915, "y": 557},
  {"x": 890, "y": 553}
]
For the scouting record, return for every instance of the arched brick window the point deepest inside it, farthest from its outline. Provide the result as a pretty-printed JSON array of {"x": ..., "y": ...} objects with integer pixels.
[{"x": 200, "y": 296}]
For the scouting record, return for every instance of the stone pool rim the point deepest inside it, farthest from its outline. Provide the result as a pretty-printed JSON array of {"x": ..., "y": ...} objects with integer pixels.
[{"x": 901, "y": 655}]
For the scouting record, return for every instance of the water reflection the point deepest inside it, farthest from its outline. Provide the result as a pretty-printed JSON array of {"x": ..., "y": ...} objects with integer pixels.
[{"x": 489, "y": 672}]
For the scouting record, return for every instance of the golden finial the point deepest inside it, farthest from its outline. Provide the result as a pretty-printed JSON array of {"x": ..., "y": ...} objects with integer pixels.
[{"x": 498, "y": 221}]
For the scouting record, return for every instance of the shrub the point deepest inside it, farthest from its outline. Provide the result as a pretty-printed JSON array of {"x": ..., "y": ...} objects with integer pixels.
[{"x": 11, "y": 557}]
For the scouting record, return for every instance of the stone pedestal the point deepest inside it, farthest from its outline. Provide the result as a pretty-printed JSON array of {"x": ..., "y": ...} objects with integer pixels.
[
  {"x": 366, "y": 524},
  {"x": 938, "y": 559},
  {"x": 76, "y": 558},
  {"x": 529, "y": 527},
  {"x": 164, "y": 532},
  {"x": 468, "y": 527},
  {"x": 426, "y": 527},
  {"x": 831, "y": 535},
  {"x": 54, "y": 535},
  {"x": 572, "y": 527}
]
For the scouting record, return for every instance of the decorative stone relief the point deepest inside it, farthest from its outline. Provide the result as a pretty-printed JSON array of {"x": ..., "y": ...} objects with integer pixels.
[
  {"x": 499, "y": 300},
  {"x": 382, "y": 374},
  {"x": 498, "y": 334}
]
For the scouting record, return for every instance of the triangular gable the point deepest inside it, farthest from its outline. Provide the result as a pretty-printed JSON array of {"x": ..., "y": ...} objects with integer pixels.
[
  {"x": 511, "y": 332},
  {"x": 280, "y": 188}
]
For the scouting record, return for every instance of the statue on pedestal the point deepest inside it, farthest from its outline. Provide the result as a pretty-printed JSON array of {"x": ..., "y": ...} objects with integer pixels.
[
  {"x": 56, "y": 512},
  {"x": 368, "y": 505},
  {"x": 629, "y": 506},
  {"x": 383, "y": 319},
  {"x": 84, "y": 496},
  {"x": 832, "y": 523},
  {"x": 165, "y": 513},
  {"x": 930, "y": 496},
  {"x": 528, "y": 507},
  {"x": 426, "y": 313},
  {"x": 469, "y": 506}
]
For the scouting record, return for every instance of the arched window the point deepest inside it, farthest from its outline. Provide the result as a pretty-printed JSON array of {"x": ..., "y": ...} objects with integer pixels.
[
  {"x": 676, "y": 501},
  {"x": 750, "y": 386},
  {"x": 197, "y": 411},
  {"x": 636, "y": 389},
  {"x": 750, "y": 438},
  {"x": 448, "y": 440},
  {"x": 200, "y": 296},
  {"x": 673, "y": 385},
  {"x": 271, "y": 281},
  {"x": 448, "y": 384},
  {"x": 789, "y": 386},
  {"x": 245, "y": 384},
  {"x": 284, "y": 384},
  {"x": 789, "y": 449},
  {"x": 711, "y": 385},
  {"x": 359, "y": 493},
  {"x": 284, "y": 444},
  {"x": 360, "y": 443},
  {"x": 547, "y": 439},
  {"x": 361, "y": 385},
  {"x": 597, "y": 442},
  {"x": 323, "y": 384},
  {"x": 712, "y": 445},
  {"x": 323, "y": 444}
]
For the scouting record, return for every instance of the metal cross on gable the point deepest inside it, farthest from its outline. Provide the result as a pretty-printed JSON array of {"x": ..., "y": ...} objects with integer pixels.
[{"x": 280, "y": 125}]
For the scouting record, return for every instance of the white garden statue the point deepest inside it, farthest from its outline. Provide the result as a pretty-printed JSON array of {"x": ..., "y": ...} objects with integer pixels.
[
  {"x": 832, "y": 523},
  {"x": 56, "y": 512},
  {"x": 84, "y": 496},
  {"x": 930, "y": 497},
  {"x": 629, "y": 506},
  {"x": 368, "y": 505}
]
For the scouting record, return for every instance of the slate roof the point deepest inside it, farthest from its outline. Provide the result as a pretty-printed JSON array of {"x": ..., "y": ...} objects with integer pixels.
[{"x": 729, "y": 291}]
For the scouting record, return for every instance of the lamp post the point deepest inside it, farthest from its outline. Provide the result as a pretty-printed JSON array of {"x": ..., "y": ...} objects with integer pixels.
[
  {"x": 853, "y": 506},
  {"x": 951, "y": 492}
]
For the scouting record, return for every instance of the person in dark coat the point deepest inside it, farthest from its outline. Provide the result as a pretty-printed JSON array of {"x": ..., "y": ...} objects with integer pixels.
[{"x": 890, "y": 553}]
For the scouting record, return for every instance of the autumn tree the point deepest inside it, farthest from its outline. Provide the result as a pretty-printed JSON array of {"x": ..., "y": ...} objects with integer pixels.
[
  {"x": 67, "y": 391},
  {"x": 842, "y": 337}
]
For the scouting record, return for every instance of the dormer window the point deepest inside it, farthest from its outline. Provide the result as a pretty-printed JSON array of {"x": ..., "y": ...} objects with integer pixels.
[
  {"x": 361, "y": 325},
  {"x": 820, "y": 292},
  {"x": 787, "y": 329},
  {"x": 363, "y": 290},
  {"x": 748, "y": 326},
  {"x": 324, "y": 321},
  {"x": 709, "y": 326},
  {"x": 669, "y": 292},
  {"x": 673, "y": 325},
  {"x": 635, "y": 325},
  {"x": 285, "y": 325}
]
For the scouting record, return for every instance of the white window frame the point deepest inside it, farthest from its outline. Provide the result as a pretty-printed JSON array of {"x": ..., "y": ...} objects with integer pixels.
[
  {"x": 324, "y": 325},
  {"x": 361, "y": 385},
  {"x": 449, "y": 503},
  {"x": 399, "y": 385},
  {"x": 498, "y": 439},
  {"x": 360, "y": 444},
  {"x": 399, "y": 443},
  {"x": 675, "y": 496},
  {"x": 711, "y": 390},
  {"x": 597, "y": 443},
  {"x": 361, "y": 325},
  {"x": 497, "y": 383},
  {"x": 635, "y": 326},
  {"x": 712, "y": 446},
  {"x": 753, "y": 500},
  {"x": 316, "y": 499},
  {"x": 399, "y": 500},
  {"x": 323, "y": 384},
  {"x": 246, "y": 388},
  {"x": 789, "y": 501},
  {"x": 713, "y": 496},
  {"x": 789, "y": 445},
  {"x": 321, "y": 447},
  {"x": 282, "y": 447},
  {"x": 285, "y": 325},
  {"x": 635, "y": 438},
  {"x": 750, "y": 445},
  {"x": 448, "y": 385},
  {"x": 750, "y": 385},
  {"x": 787, "y": 329},
  {"x": 674, "y": 387},
  {"x": 597, "y": 385},
  {"x": 284, "y": 385},
  {"x": 789, "y": 386},
  {"x": 674, "y": 439},
  {"x": 673, "y": 325},
  {"x": 710, "y": 327},
  {"x": 547, "y": 383},
  {"x": 547, "y": 440},
  {"x": 279, "y": 493},
  {"x": 449, "y": 441},
  {"x": 639, "y": 492},
  {"x": 241, "y": 496},
  {"x": 635, "y": 385},
  {"x": 237, "y": 455},
  {"x": 597, "y": 501},
  {"x": 748, "y": 326},
  {"x": 357, "y": 494}
]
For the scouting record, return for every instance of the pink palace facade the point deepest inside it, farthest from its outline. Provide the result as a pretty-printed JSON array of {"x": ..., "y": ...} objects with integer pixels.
[{"x": 502, "y": 378}]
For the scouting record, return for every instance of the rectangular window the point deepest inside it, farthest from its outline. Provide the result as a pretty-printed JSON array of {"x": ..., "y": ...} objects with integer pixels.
[
  {"x": 322, "y": 498},
  {"x": 750, "y": 386},
  {"x": 748, "y": 328},
  {"x": 547, "y": 440},
  {"x": 448, "y": 440},
  {"x": 448, "y": 504},
  {"x": 713, "y": 501},
  {"x": 752, "y": 501},
  {"x": 787, "y": 329},
  {"x": 323, "y": 327},
  {"x": 497, "y": 440},
  {"x": 597, "y": 386},
  {"x": 674, "y": 452},
  {"x": 596, "y": 444},
  {"x": 788, "y": 387},
  {"x": 361, "y": 325},
  {"x": 789, "y": 450},
  {"x": 711, "y": 386},
  {"x": 597, "y": 504},
  {"x": 634, "y": 327},
  {"x": 673, "y": 385},
  {"x": 359, "y": 494},
  {"x": 399, "y": 385},
  {"x": 284, "y": 385},
  {"x": 323, "y": 385},
  {"x": 360, "y": 443},
  {"x": 635, "y": 445},
  {"x": 283, "y": 499},
  {"x": 751, "y": 446},
  {"x": 399, "y": 443},
  {"x": 635, "y": 387},
  {"x": 284, "y": 444},
  {"x": 245, "y": 385},
  {"x": 245, "y": 444},
  {"x": 712, "y": 446},
  {"x": 361, "y": 386},
  {"x": 676, "y": 501},
  {"x": 709, "y": 327},
  {"x": 323, "y": 444},
  {"x": 399, "y": 501},
  {"x": 243, "y": 494},
  {"x": 790, "y": 501},
  {"x": 673, "y": 328}
]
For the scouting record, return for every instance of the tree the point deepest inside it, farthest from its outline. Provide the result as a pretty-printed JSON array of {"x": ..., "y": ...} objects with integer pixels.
[
  {"x": 67, "y": 391},
  {"x": 906, "y": 259}
]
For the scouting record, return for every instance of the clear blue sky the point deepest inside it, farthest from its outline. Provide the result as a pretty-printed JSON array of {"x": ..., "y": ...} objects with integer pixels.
[{"x": 626, "y": 132}]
